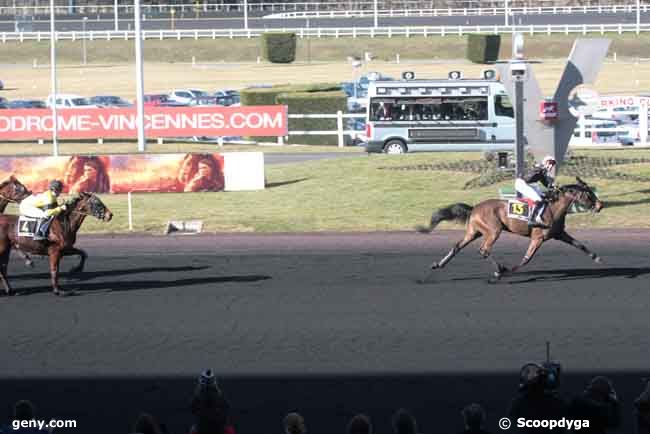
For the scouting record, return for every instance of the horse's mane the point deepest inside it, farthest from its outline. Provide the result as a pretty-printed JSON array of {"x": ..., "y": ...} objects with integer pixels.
[{"x": 579, "y": 187}]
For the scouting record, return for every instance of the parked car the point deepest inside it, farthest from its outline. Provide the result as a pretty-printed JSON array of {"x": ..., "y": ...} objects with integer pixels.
[
  {"x": 110, "y": 101},
  {"x": 228, "y": 97},
  {"x": 184, "y": 96},
  {"x": 4, "y": 102},
  {"x": 205, "y": 101},
  {"x": 69, "y": 101},
  {"x": 160, "y": 100},
  {"x": 27, "y": 104},
  {"x": 2, "y": 85}
]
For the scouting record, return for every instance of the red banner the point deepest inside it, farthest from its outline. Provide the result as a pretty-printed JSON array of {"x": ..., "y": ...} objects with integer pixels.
[
  {"x": 119, "y": 173},
  {"x": 29, "y": 124}
]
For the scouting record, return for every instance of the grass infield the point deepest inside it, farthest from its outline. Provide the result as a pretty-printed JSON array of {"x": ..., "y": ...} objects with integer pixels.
[{"x": 354, "y": 194}]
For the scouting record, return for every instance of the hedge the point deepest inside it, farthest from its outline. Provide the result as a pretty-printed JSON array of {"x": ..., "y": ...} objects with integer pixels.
[
  {"x": 304, "y": 99},
  {"x": 279, "y": 47},
  {"x": 483, "y": 48},
  {"x": 314, "y": 102}
]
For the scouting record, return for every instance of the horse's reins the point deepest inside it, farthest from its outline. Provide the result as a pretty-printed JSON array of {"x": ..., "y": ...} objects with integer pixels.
[{"x": 8, "y": 199}]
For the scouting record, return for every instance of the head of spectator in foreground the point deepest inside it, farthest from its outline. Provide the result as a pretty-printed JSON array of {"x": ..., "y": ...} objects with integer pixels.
[
  {"x": 24, "y": 410},
  {"x": 294, "y": 423},
  {"x": 600, "y": 389},
  {"x": 146, "y": 424},
  {"x": 209, "y": 406},
  {"x": 474, "y": 417},
  {"x": 404, "y": 422},
  {"x": 360, "y": 424}
]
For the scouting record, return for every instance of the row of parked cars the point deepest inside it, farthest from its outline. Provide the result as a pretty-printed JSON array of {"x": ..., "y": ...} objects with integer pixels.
[{"x": 176, "y": 98}]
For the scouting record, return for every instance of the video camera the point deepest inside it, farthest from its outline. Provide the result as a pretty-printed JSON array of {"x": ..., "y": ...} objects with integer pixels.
[{"x": 545, "y": 375}]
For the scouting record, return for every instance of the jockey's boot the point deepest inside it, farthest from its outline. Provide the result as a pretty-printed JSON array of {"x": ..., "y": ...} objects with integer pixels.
[{"x": 536, "y": 220}]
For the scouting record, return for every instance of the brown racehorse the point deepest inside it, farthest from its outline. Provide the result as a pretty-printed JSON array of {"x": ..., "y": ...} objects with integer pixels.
[
  {"x": 12, "y": 191},
  {"x": 489, "y": 218},
  {"x": 61, "y": 239}
]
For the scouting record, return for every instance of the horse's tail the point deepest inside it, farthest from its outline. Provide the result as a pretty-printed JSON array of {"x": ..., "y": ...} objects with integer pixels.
[{"x": 459, "y": 212}]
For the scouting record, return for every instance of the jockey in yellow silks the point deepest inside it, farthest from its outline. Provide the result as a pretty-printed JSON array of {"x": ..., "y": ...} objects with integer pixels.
[{"x": 43, "y": 206}]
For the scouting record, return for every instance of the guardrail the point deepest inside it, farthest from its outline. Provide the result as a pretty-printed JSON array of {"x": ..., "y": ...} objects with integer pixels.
[
  {"x": 329, "y": 32},
  {"x": 17, "y": 10},
  {"x": 448, "y": 12}
]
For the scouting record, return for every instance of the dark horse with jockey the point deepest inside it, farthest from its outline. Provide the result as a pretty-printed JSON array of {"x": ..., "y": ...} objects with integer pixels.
[{"x": 58, "y": 241}]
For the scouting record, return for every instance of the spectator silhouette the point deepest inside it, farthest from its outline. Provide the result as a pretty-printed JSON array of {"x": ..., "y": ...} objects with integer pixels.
[
  {"x": 599, "y": 405},
  {"x": 360, "y": 424},
  {"x": 209, "y": 407},
  {"x": 294, "y": 423},
  {"x": 147, "y": 424},
  {"x": 23, "y": 411},
  {"x": 474, "y": 418},
  {"x": 642, "y": 411},
  {"x": 537, "y": 399},
  {"x": 404, "y": 422}
]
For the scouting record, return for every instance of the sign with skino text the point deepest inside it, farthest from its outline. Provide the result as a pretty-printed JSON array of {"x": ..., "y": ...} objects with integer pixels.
[{"x": 159, "y": 122}]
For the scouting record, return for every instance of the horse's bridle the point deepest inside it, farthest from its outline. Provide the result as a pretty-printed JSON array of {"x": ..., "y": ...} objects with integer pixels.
[{"x": 8, "y": 199}]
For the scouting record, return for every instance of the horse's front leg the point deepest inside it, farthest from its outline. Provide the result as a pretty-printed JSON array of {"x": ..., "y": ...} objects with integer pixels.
[
  {"x": 28, "y": 260},
  {"x": 4, "y": 262},
  {"x": 568, "y": 239},
  {"x": 533, "y": 247},
  {"x": 82, "y": 259},
  {"x": 55, "y": 254}
]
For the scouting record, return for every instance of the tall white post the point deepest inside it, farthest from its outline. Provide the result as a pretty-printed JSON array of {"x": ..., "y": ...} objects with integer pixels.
[
  {"x": 139, "y": 78},
  {"x": 638, "y": 16},
  {"x": 83, "y": 40},
  {"x": 246, "y": 14},
  {"x": 55, "y": 127},
  {"x": 115, "y": 16},
  {"x": 505, "y": 12},
  {"x": 376, "y": 14}
]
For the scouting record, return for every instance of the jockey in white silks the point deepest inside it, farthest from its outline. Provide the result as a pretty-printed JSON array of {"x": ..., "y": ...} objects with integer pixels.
[{"x": 526, "y": 187}]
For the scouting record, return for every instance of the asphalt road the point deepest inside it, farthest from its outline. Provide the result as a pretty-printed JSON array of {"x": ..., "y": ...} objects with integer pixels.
[
  {"x": 326, "y": 324},
  {"x": 104, "y": 22}
]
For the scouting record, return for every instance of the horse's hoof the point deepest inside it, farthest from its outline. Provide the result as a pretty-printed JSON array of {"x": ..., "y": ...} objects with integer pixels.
[
  {"x": 435, "y": 266},
  {"x": 497, "y": 275},
  {"x": 598, "y": 260},
  {"x": 29, "y": 263},
  {"x": 63, "y": 292},
  {"x": 76, "y": 270}
]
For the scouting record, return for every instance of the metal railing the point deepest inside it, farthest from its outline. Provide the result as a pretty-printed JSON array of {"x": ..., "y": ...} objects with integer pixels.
[{"x": 330, "y": 32}]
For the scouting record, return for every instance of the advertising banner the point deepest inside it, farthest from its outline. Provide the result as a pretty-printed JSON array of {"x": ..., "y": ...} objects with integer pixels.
[
  {"x": 92, "y": 123},
  {"x": 120, "y": 173}
]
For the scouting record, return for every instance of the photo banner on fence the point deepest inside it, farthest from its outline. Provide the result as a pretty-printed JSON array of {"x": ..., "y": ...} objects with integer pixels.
[
  {"x": 93, "y": 123},
  {"x": 119, "y": 173}
]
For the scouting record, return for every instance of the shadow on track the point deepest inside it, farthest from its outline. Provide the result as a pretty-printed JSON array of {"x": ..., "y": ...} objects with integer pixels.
[
  {"x": 578, "y": 273},
  {"x": 145, "y": 284},
  {"x": 87, "y": 275}
]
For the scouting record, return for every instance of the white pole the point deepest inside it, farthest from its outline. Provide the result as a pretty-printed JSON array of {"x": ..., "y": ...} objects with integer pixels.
[
  {"x": 376, "y": 14},
  {"x": 117, "y": 26},
  {"x": 139, "y": 78},
  {"x": 55, "y": 143},
  {"x": 638, "y": 16},
  {"x": 130, "y": 211},
  {"x": 85, "y": 19},
  {"x": 505, "y": 13},
  {"x": 246, "y": 14}
]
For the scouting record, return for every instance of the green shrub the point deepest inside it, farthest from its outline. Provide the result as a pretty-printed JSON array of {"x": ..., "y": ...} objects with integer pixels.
[
  {"x": 483, "y": 48},
  {"x": 279, "y": 47}
]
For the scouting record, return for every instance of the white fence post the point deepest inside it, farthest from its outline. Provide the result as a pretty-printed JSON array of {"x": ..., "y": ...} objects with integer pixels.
[
  {"x": 339, "y": 127},
  {"x": 129, "y": 199}
]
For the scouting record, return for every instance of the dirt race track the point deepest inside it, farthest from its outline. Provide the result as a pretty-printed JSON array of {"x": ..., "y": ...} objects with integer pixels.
[{"x": 328, "y": 324}]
